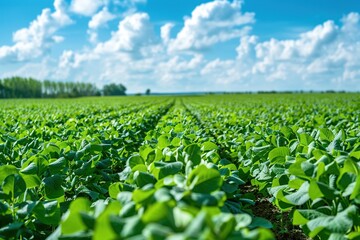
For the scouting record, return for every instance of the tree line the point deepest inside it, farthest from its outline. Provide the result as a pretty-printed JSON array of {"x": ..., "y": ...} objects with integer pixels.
[{"x": 19, "y": 87}]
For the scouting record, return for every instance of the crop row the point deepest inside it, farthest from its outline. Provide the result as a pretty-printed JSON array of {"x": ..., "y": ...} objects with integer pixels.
[
  {"x": 175, "y": 187},
  {"x": 47, "y": 163},
  {"x": 176, "y": 168},
  {"x": 305, "y": 158}
]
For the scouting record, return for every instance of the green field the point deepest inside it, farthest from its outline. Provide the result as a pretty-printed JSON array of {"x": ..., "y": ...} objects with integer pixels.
[{"x": 189, "y": 167}]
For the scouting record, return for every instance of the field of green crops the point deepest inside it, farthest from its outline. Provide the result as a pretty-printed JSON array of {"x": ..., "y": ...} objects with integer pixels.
[{"x": 179, "y": 167}]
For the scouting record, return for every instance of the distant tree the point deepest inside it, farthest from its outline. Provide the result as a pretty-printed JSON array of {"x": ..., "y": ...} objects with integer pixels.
[
  {"x": 113, "y": 89},
  {"x": 147, "y": 92},
  {"x": 18, "y": 87}
]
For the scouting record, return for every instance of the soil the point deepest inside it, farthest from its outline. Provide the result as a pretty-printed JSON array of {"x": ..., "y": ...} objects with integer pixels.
[{"x": 282, "y": 222}]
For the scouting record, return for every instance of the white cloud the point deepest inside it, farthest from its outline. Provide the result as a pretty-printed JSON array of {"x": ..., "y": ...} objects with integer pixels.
[
  {"x": 101, "y": 18},
  {"x": 97, "y": 21},
  {"x": 327, "y": 57},
  {"x": 86, "y": 7},
  {"x": 141, "y": 56},
  {"x": 165, "y": 32},
  {"x": 211, "y": 23},
  {"x": 134, "y": 32},
  {"x": 37, "y": 39}
]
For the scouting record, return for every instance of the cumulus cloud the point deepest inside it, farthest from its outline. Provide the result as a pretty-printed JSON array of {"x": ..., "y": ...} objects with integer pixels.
[
  {"x": 86, "y": 7},
  {"x": 134, "y": 32},
  {"x": 97, "y": 21},
  {"x": 37, "y": 39},
  {"x": 211, "y": 23},
  {"x": 165, "y": 32},
  {"x": 101, "y": 18},
  {"x": 326, "y": 57},
  {"x": 168, "y": 59}
]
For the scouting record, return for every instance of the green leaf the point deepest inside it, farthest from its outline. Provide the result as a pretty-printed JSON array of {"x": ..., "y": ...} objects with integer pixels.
[
  {"x": 305, "y": 139},
  {"x": 7, "y": 170},
  {"x": 260, "y": 222},
  {"x": 176, "y": 142},
  {"x": 158, "y": 212},
  {"x": 302, "y": 216},
  {"x": 163, "y": 142},
  {"x": 208, "y": 146},
  {"x": 355, "y": 154},
  {"x": 204, "y": 180},
  {"x": 134, "y": 226},
  {"x": 143, "y": 178},
  {"x": 14, "y": 185},
  {"x": 141, "y": 196},
  {"x": 135, "y": 160},
  {"x": 48, "y": 212},
  {"x": 53, "y": 188},
  {"x": 277, "y": 155},
  {"x": 356, "y": 191},
  {"x": 326, "y": 135},
  {"x": 156, "y": 231},
  {"x": 116, "y": 188},
  {"x": 30, "y": 169},
  {"x": 320, "y": 190},
  {"x": 9, "y": 231},
  {"x": 193, "y": 153},
  {"x": 103, "y": 225},
  {"x": 299, "y": 197},
  {"x": 31, "y": 180},
  {"x": 242, "y": 221},
  {"x": 198, "y": 225},
  {"x": 72, "y": 222},
  {"x": 164, "y": 169},
  {"x": 58, "y": 165},
  {"x": 337, "y": 236},
  {"x": 145, "y": 153},
  {"x": 341, "y": 223}
]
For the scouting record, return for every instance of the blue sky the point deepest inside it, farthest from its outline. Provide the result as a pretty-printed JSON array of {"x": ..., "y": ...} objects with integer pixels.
[{"x": 177, "y": 45}]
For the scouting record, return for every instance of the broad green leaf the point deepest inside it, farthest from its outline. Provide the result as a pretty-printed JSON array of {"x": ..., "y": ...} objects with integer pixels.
[
  {"x": 193, "y": 153},
  {"x": 141, "y": 196},
  {"x": 164, "y": 169},
  {"x": 103, "y": 225},
  {"x": 302, "y": 216},
  {"x": 53, "y": 187},
  {"x": 135, "y": 160},
  {"x": 30, "y": 169},
  {"x": 277, "y": 155},
  {"x": 72, "y": 221},
  {"x": 143, "y": 178},
  {"x": 158, "y": 212},
  {"x": 7, "y": 170},
  {"x": 163, "y": 142},
  {"x": 326, "y": 135},
  {"x": 320, "y": 190},
  {"x": 242, "y": 221},
  {"x": 10, "y": 230},
  {"x": 31, "y": 180},
  {"x": 204, "y": 180},
  {"x": 341, "y": 223},
  {"x": 48, "y": 212},
  {"x": 299, "y": 197},
  {"x": 58, "y": 165},
  {"x": 208, "y": 146},
  {"x": 14, "y": 185}
]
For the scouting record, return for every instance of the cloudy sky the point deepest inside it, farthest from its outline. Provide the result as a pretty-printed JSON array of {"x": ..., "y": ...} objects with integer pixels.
[{"x": 184, "y": 45}]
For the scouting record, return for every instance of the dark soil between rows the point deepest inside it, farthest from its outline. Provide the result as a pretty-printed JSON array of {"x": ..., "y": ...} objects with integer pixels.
[{"x": 282, "y": 222}]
